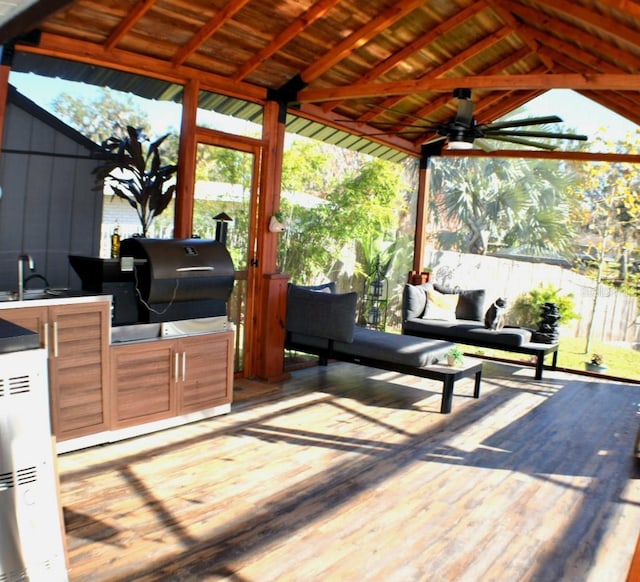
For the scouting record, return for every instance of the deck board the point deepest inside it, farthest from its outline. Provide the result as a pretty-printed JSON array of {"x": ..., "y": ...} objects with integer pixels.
[{"x": 349, "y": 473}]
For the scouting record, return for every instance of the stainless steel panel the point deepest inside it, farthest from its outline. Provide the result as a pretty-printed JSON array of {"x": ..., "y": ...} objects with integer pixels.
[{"x": 31, "y": 545}]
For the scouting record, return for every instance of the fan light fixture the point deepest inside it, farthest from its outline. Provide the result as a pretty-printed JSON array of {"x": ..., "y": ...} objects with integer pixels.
[
  {"x": 460, "y": 139},
  {"x": 460, "y": 145}
]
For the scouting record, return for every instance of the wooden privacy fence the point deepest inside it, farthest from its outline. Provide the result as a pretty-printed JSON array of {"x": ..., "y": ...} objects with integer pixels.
[{"x": 616, "y": 318}]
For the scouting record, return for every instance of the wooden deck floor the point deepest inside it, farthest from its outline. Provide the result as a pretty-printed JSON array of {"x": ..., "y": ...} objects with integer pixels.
[{"x": 349, "y": 474}]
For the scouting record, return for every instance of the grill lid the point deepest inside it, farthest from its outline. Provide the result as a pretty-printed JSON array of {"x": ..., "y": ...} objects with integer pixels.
[{"x": 180, "y": 269}]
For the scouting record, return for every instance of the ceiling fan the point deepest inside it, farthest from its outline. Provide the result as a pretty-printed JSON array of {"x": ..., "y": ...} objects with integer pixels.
[{"x": 461, "y": 131}]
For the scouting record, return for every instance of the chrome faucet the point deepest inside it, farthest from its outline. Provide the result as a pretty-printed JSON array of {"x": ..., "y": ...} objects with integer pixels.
[{"x": 22, "y": 259}]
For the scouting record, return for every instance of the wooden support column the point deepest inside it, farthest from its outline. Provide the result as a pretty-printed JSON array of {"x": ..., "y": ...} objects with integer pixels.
[
  {"x": 182, "y": 226},
  {"x": 422, "y": 211},
  {"x": 272, "y": 286}
]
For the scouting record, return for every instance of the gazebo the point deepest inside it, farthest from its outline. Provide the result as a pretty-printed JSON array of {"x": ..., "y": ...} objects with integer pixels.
[{"x": 377, "y": 77}]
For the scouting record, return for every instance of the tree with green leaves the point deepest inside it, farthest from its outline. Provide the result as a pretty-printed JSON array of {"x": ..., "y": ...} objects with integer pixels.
[
  {"x": 109, "y": 113},
  {"x": 367, "y": 204},
  {"x": 511, "y": 202}
]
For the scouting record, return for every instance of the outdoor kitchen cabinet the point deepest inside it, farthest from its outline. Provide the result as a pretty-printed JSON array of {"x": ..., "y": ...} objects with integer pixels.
[
  {"x": 170, "y": 377},
  {"x": 76, "y": 337}
]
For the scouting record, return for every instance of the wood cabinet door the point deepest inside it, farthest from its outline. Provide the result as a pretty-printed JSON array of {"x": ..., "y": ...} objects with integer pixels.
[
  {"x": 78, "y": 368},
  {"x": 206, "y": 371},
  {"x": 143, "y": 382}
]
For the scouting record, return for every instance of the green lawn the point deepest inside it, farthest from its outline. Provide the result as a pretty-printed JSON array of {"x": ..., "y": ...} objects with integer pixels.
[{"x": 622, "y": 362}]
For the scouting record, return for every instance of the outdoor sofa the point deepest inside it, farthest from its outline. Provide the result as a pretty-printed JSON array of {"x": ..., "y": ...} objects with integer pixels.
[
  {"x": 433, "y": 311},
  {"x": 322, "y": 322}
]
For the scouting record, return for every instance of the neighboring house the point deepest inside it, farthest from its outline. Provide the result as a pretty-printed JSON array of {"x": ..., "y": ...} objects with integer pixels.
[{"x": 49, "y": 208}]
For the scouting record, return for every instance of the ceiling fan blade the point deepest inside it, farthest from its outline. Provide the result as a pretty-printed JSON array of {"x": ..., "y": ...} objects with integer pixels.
[
  {"x": 522, "y": 122},
  {"x": 525, "y": 142},
  {"x": 543, "y": 134},
  {"x": 483, "y": 145}
]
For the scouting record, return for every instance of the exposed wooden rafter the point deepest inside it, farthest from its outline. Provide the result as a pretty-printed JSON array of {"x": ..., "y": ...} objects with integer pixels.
[
  {"x": 339, "y": 56},
  {"x": 585, "y": 82}
]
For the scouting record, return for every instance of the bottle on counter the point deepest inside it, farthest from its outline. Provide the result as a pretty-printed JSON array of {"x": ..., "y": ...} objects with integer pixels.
[{"x": 115, "y": 243}]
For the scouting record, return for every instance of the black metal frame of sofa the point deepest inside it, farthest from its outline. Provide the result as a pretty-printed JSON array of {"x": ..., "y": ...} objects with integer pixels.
[
  {"x": 534, "y": 349},
  {"x": 447, "y": 375}
]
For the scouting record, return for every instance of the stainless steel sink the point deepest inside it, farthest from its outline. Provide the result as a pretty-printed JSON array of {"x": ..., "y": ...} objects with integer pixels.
[{"x": 31, "y": 294}]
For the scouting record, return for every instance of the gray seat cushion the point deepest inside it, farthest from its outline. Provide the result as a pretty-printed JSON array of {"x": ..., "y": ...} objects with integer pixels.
[
  {"x": 471, "y": 331},
  {"x": 384, "y": 347}
]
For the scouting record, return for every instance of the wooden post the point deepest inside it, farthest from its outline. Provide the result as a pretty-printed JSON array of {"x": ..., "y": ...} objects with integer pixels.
[
  {"x": 182, "y": 226},
  {"x": 268, "y": 340},
  {"x": 422, "y": 210}
]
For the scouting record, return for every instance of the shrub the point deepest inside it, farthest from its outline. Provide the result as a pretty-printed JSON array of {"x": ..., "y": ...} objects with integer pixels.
[{"x": 526, "y": 310}]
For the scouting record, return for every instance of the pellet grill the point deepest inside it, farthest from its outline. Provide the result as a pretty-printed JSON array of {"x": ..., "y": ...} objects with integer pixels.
[{"x": 178, "y": 279}]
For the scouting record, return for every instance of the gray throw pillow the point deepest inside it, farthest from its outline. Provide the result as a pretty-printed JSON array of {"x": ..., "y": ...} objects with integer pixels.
[
  {"x": 471, "y": 304},
  {"x": 324, "y": 315},
  {"x": 414, "y": 301}
]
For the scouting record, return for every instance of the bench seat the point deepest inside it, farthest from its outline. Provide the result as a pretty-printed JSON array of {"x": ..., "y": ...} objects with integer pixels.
[
  {"x": 323, "y": 324},
  {"x": 471, "y": 332}
]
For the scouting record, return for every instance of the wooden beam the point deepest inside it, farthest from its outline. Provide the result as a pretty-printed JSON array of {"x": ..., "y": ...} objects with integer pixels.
[
  {"x": 208, "y": 30},
  {"x": 470, "y": 52},
  {"x": 93, "y": 54},
  {"x": 550, "y": 32},
  {"x": 593, "y": 18},
  {"x": 136, "y": 13},
  {"x": 503, "y": 10},
  {"x": 585, "y": 82},
  {"x": 420, "y": 42},
  {"x": 314, "y": 13},
  {"x": 362, "y": 35}
]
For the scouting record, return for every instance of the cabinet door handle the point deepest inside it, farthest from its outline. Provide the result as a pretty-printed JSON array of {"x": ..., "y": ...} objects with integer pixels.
[
  {"x": 55, "y": 339},
  {"x": 184, "y": 366},
  {"x": 45, "y": 337},
  {"x": 176, "y": 364}
]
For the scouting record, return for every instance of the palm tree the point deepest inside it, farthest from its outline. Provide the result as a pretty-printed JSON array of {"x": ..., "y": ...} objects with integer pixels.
[{"x": 515, "y": 202}]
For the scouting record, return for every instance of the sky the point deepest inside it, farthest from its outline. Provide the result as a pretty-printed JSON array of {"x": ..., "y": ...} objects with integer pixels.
[{"x": 578, "y": 112}]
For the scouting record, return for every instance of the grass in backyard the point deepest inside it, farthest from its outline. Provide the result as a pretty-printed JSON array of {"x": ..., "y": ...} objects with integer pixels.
[{"x": 621, "y": 361}]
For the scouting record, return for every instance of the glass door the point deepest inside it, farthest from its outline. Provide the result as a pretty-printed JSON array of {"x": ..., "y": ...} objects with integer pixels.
[{"x": 226, "y": 182}]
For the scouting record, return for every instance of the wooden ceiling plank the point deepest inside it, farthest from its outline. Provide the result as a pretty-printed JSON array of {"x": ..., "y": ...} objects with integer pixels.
[
  {"x": 208, "y": 30},
  {"x": 449, "y": 65},
  {"x": 137, "y": 12},
  {"x": 90, "y": 53},
  {"x": 314, "y": 13},
  {"x": 503, "y": 11},
  {"x": 443, "y": 28},
  {"x": 546, "y": 29},
  {"x": 622, "y": 82},
  {"x": 360, "y": 37},
  {"x": 610, "y": 27},
  {"x": 625, "y": 6},
  {"x": 577, "y": 61},
  {"x": 447, "y": 26}
]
